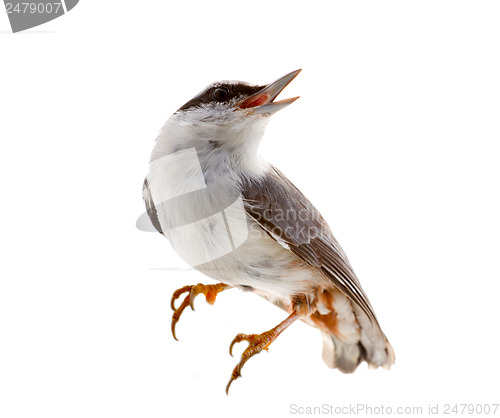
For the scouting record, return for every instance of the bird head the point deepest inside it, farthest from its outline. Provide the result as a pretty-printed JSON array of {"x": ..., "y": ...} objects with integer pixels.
[
  {"x": 227, "y": 117},
  {"x": 227, "y": 102}
]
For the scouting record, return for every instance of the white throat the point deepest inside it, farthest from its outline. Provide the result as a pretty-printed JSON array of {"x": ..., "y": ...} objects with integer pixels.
[
  {"x": 196, "y": 174},
  {"x": 224, "y": 149}
]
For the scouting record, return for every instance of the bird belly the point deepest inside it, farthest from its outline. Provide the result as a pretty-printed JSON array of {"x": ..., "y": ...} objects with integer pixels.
[
  {"x": 210, "y": 230},
  {"x": 265, "y": 266}
]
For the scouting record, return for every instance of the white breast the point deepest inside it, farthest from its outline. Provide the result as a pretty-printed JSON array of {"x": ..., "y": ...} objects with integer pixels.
[
  {"x": 197, "y": 194},
  {"x": 203, "y": 215}
]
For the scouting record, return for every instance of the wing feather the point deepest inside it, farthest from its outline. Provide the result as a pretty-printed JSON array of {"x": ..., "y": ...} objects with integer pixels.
[
  {"x": 150, "y": 206},
  {"x": 287, "y": 215}
]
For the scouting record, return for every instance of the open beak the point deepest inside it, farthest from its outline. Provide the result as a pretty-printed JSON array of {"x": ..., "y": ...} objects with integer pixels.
[{"x": 263, "y": 101}]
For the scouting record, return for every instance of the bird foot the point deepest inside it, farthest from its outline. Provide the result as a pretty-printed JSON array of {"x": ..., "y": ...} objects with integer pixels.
[
  {"x": 257, "y": 343},
  {"x": 209, "y": 290}
]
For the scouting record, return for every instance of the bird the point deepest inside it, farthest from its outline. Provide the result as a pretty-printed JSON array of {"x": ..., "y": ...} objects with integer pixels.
[{"x": 236, "y": 218}]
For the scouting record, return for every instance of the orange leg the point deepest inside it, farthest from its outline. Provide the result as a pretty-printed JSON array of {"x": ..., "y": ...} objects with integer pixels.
[
  {"x": 257, "y": 343},
  {"x": 210, "y": 291}
]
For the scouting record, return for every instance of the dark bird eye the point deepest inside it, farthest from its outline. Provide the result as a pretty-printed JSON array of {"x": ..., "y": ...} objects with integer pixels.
[{"x": 220, "y": 94}]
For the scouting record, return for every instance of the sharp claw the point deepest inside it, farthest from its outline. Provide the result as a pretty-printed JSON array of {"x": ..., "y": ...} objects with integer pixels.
[
  {"x": 237, "y": 339},
  {"x": 177, "y": 294},
  {"x": 175, "y": 318},
  {"x": 177, "y": 315},
  {"x": 231, "y": 347},
  {"x": 192, "y": 296},
  {"x": 229, "y": 384},
  {"x": 173, "y": 331},
  {"x": 234, "y": 375}
]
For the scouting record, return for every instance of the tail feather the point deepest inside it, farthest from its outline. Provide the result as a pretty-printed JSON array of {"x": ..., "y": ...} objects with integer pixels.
[
  {"x": 339, "y": 355},
  {"x": 350, "y": 337},
  {"x": 347, "y": 357},
  {"x": 379, "y": 352}
]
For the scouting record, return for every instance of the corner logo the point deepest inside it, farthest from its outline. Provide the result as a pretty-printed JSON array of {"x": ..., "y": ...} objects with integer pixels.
[{"x": 28, "y": 14}]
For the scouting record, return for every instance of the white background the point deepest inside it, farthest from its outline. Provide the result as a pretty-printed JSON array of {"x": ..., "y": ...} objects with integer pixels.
[{"x": 395, "y": 139}]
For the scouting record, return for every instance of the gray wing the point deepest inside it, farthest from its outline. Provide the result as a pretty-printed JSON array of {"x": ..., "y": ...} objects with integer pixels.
[
  {"x": 287, "y": 215},
  {"x": 150, "y": 206}
]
